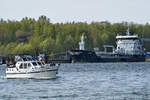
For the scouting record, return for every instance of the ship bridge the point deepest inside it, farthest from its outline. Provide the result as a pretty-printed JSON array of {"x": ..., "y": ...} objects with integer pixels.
[
  {"x": 129, "y": 44},
  {"x": 127, "y": 37}
]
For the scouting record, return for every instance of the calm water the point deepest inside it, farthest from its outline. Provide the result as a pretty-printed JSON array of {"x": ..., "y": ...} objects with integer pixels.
[{"x": 98, "y": 81}]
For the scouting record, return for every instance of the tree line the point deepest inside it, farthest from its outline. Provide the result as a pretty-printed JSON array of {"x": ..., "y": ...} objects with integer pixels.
[{"x": 30, "y": 36}]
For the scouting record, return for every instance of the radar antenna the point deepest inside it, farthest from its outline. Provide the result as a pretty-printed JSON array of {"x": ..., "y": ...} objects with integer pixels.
[{"x": 128, "y": 30}]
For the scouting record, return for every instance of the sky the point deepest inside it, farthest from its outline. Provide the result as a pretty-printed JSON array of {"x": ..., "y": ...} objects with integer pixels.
[{"x": 114, "y": 11}]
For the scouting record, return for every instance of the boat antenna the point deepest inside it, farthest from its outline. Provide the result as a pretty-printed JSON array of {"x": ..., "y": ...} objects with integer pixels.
[{"x": 128, "y": 30}]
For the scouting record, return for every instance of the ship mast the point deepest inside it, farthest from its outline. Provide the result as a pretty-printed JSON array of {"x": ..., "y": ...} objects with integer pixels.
[
  {"x": 81, "y": 44},
  {"x": 128, "y": 31}
]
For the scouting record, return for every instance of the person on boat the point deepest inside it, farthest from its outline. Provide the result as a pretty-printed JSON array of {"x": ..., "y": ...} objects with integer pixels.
[
  {"x": 45, "y": 58},
  {"x": 40, "y": 58},
  {"x": 10, "y": 62}
]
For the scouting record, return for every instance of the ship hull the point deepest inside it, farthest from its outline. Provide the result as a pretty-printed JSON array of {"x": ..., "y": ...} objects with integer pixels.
[
  {"x": 83, "y": 56},
  {"x": 123, "y": 59},
  {"x": 49, "y": 74},
  {"x": 90, "y": 56}
]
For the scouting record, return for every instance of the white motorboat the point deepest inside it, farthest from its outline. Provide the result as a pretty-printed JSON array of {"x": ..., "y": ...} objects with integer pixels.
[{"x": 32, "y": 69}]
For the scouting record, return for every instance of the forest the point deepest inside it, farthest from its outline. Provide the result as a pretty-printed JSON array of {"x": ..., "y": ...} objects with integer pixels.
[{"x": 29, "y": 36}]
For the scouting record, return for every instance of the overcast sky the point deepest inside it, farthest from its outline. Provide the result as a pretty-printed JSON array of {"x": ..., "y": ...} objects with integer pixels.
[{"x": 113, "y": 11}]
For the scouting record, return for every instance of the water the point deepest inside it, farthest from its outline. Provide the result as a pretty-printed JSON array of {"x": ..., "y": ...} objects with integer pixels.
[{"x": 91, "y": 81}]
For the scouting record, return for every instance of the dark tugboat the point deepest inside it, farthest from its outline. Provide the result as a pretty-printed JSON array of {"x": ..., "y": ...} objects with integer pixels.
[{"x": 129, "y": 49}]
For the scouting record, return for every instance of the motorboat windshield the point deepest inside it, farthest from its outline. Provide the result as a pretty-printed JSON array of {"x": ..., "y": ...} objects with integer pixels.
[{"x": 34, "y": 63}]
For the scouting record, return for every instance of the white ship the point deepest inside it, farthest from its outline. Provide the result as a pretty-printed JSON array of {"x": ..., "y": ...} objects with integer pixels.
[{"x": 32, "y": 69}]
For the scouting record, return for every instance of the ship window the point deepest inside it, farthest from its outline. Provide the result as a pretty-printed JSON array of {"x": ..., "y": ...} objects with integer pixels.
[
  {"x": 42, "y": 63},
  {"x": 25, "y": 65},
  {"x": 34, "y": 63},
  {"x": 39, "y": 63},
  {"x": 29, "y": 65},
  {"x": 21, "y": 66}
]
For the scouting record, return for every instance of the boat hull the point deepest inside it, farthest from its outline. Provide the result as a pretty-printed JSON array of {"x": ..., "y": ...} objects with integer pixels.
[
  {"x": 49, "y": 74},
  {"x": 123, "y": 59},
  {"x": 83, "y": 56}
]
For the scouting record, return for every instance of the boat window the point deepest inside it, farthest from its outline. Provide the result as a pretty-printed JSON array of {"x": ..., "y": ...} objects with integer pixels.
[
  {"x": 29, "y": 65},
  {"x": 39, "y": 63},
  {"x": 34, "y": 63},
  {"x": 28, "y": 58},
  {"x": 25, "y": 65},
  {"x": 21, "y": 66},
  {"x": 42, "y": 63}
]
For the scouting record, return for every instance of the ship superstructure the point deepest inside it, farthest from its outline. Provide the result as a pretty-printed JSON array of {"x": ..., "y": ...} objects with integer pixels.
[
  {"x": 129, "y": 45},
  {"x": 81, "y": 44}
]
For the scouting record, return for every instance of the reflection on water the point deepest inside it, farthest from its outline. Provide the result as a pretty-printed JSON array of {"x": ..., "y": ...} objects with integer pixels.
[{"x": 91, "y": 81}]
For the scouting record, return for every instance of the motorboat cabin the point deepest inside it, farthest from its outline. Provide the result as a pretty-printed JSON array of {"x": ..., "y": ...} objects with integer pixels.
[{"x": 32, "y": 69}]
